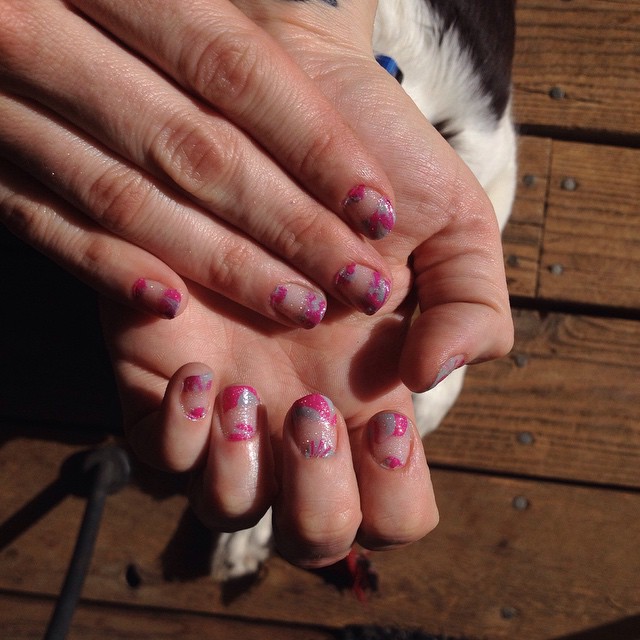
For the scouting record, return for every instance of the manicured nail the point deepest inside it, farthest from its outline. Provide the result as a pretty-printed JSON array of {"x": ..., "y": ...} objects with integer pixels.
[
  {"x": 390, "y": 439},
  {"x": 373, "y": 211},
  {"x": 365, "y": 288},
  {"x": 300, "y": 305},
  {"x": 315, "y": 426},
  {"x": 156, "y": 297},
  {"x": 446, "y": 369},
  {"x": 195, "y": 396},
  {"x": 239, "y": 413}
]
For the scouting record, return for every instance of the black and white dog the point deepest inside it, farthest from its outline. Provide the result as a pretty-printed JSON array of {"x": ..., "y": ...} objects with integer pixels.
[{"x": 455, "y": 56}]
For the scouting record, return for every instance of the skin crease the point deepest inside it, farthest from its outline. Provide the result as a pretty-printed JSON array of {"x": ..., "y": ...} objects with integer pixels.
[{"x": 362, "y": 364}]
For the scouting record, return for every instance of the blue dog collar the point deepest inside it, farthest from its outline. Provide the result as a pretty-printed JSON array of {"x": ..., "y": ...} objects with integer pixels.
[{"x": 390, "y": 65}]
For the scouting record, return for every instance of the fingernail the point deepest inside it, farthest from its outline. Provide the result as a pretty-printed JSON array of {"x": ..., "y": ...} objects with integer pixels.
[
  {"x": 239, "y": 412},
  {"x": 446, "y": 369},
  {"x": 390, "y": 439},
  {"x": 373, "y": 211},
  {"x": 365, "y": 288},
  {"x": 195, "y": 396},
  {"x": 315, "y": 426},
  {"x": 157, "y": 298},
  {"x": 299, "y": 304}
]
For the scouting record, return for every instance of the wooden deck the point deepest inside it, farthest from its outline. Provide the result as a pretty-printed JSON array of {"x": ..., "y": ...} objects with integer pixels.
[{"x": 537, "y": 469}]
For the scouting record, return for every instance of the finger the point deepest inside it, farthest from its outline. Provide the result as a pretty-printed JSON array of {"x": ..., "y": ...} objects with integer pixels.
[
  {"x": 176, "y": 437},
  {"x": 214, "y": 51},
  {"x": 464, "y": 304},
  {"x": 317, "y": 512},
  {"x": 123, "y": 272},
  {"x": 237, "y": 485},
  {"x": 396, "y": 494},
  {"x": 300, "y": 234},
  {"x": 132, "y": 207}
]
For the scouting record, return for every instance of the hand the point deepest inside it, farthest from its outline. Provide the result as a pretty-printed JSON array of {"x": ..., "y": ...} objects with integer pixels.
[
  {"x": 446, "y": 224},
  {"x": 139, "y": 140}
]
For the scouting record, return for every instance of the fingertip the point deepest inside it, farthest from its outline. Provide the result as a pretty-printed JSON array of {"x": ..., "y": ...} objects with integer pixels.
[
  {"x": 317, "y": 513},
  {"x": 237, "y": 484},
  {"x": 398, "y": 503},
  {"x": 369, "y": 212},
  {"x": 185, "y": 418},
  {"x": 165, "y": 301}
]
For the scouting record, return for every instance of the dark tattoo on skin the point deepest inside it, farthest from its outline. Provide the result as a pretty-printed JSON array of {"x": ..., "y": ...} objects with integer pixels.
[{"x": 333, "y": 3}]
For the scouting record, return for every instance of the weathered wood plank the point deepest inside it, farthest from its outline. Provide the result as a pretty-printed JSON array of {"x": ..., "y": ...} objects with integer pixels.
[
  {"x": 522, "y": 237},
  {"x": 586, "y": 53},
  {"x": 23, "y": 618},
  {"x": 557, "y": 560},
  {"x": 591, "y": 245},
  {"x": 564, "y": 404}
]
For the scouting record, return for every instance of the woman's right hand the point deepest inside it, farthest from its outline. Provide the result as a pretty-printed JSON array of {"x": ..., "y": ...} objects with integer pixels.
[{"x": 150, "y": 138}]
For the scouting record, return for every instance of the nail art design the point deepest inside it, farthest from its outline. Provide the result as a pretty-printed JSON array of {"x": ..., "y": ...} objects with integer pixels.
[
  {"x": 447, "y": 368},
  {"x": 390, "y": 439},
  {"x": 301, "y": 305},
  {"x": 374, "y": 211},
  {"x": 363, "y": 287},
  {"x": 315, "y": 426},
  {"x": 239, "y": 412},
  {"x": 195, "y": 395},
  {"x": 157, "y": 297}
]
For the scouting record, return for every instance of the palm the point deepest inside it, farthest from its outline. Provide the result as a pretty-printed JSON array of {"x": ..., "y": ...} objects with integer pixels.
[{"x": 349, "y": 357}]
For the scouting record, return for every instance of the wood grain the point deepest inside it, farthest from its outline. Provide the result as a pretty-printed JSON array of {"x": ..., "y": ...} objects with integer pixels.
[
  {"x": 27, "y": 618},
  {"x": 557, "y": 560},
  {"x": 522, "y": 237},
  {"x": 587, "y": 53},
  {"x": 569, "y": 389},
  {"x": 591, "y": 245}
]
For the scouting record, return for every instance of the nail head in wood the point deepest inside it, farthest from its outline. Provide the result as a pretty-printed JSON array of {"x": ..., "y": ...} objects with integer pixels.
[
  {"x": 526, "y": 438},
  {"x": 557, "y": 93},
  {"x": 569, "y": 184},
  {"x": 520, "y": 503}
]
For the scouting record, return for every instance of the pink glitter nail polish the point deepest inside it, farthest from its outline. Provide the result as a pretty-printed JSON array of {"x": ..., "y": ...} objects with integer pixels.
[
  {"x": 315, "y": 426},
  {"x": 156, "y": 297},
  {"x": 364, "y": 288},
  {"x": 447, "y": 369},
  {"x": 239, "y": 417},
  {"x": 390, "y": 439},
  {"x": 373, "y": 212},
  {"x": 194, "y": 397},
  {"x": 297, "y": 303}
]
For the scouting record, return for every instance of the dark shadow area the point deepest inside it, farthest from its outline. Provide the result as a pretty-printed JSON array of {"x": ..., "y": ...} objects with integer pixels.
[
  {"x": 625, "y": 629},
  {"x": 374, "y": 632},
  {"x": 72, "y": 480},
  {"x": 55, "y": 368},
  {"x": 188, "y": 554}
]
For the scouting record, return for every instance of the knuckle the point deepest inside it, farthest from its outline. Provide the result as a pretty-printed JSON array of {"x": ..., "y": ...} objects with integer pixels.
[
  {"x": 194, "y": 157},
  {"x": 118, "y": 199},
  {"x": 294, "y": 238},
  {"x": 225, "y": 67},
  {"x": 232, "y": 260},
  {"x": 312, "y": 159},
  {"x": 19, "y": 215},
  {"x": 326, "y": 529},
  {"x": 98, "y": 253}
]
